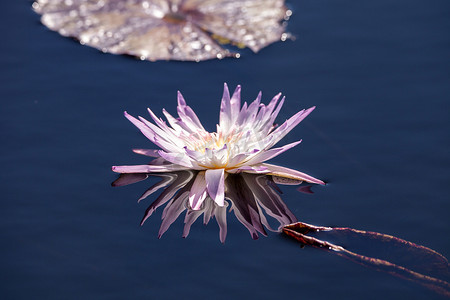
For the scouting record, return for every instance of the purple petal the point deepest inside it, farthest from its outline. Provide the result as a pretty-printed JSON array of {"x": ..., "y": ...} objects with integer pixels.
[
  {"x": 276, "y": 112},
  {"x": 215, "y": 185},
  {"x": 169, "y": 133},
  {"x": 287, "y": 126},
  {"x": 147, "y": 152},
  {"x": 289, "y": 173},
  {"x": 235, "y": 103},
  {"x": 248, "y": 116},
  {"x": 264, "y": 114},
  {"x": 187, "y": 115},
  {"x": 148, "y": 168},
  {"x": 229, "y": 108},
  {"x": 243, "y": 114},
  {"x": 172, "y": 121},
  {"x": 262, "y": 156},
  {"x": 177, "y": 158},
  {"x": 144, "y": 129},
  {"x": 225, "y": 110},
  {"x": 163, "y": 135},
  {"x": 150, "y": 134},
  {"x": 195, "y": 155},
  {"x": 241, "y": 157}
]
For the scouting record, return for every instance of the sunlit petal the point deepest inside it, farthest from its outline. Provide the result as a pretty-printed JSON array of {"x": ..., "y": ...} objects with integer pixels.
[{"x": 262, "y": 156}]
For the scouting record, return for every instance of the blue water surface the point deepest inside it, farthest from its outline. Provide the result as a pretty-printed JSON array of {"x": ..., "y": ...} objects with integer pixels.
[{"x": 379, "y": 74}]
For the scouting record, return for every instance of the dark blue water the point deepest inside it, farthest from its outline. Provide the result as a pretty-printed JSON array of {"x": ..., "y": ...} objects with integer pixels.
[{"x": 379, "y": 74}]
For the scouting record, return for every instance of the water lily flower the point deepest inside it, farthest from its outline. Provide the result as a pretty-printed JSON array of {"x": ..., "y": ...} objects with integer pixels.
[{"x": 242, "y": 142}]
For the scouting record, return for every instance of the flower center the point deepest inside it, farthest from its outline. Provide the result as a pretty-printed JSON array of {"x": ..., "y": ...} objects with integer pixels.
[{"x": 202, "y": 140}]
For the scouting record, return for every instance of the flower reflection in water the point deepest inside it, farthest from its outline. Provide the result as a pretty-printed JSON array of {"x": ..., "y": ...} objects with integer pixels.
[
  {"x": 250, "y": 197},
  {"x": 168, "y": 29}
]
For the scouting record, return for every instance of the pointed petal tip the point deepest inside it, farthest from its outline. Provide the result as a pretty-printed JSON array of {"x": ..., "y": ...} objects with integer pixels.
[
  {"x": 180, "y": 99},
  {"x": 226, "y": 92},
  {"x": 297, "y": 142},
  {"x": 237, "y": 92}
]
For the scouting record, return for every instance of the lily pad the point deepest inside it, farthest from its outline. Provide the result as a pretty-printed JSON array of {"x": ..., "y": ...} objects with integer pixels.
[{"x": 185, "y": 30}]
